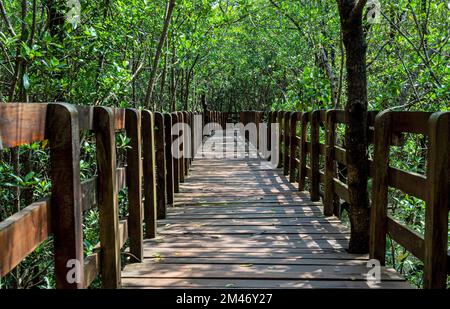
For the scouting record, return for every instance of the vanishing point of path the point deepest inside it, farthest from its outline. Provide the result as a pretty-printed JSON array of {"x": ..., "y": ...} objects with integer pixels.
[{"x": 237, "y": 223}]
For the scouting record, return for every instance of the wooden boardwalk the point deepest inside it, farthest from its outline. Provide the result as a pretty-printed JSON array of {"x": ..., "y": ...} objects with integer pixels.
[{"x": 237, "y": 223}]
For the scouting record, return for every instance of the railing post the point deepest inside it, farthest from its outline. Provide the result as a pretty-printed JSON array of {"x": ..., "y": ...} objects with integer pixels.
[
  {"x": 330, "y": 199},
  {"x": 378, "y": 224},
  {"x": 193, "y": 141},
  {"x": 303, "y": 152},
  {"x": 176, "y": 162},
  {"x": 134, "y": 179},
  {"x": 63, "y": 134},
  {"x": 161, "y": 166},
  {"x": 169, "y": 159},
  {"x": 280, "y": 137},
  {"x": 186, "y": 144},
  {"x": 286, "y": 138},
  {"x": 149, "y": 172},
  {"x": 269, "y": 131},
  {"x": 107, "y": 197},
  {"x": 293, "y": 166},
  {"x": 314, "y": 156},
  {"x": 181, "y": 162},
  {"x": 437, "y": 208}
]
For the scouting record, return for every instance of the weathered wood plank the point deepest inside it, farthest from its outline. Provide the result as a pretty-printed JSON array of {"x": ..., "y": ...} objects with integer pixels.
[
  {"x": 22, "y": 233},
  {"x": 406, "y": 237},
  {"x": 151, "y": 180},
  {"x": 314, "y": 158},
  {"x": 134, "y": 183},
  {"x": 232, "y": 220},
  {"x": 107, "y": 197},
  {"x": 191, "y": 283},
  {"x": 152, "y": 270},
  {"x": 21, "y": 124},
  {"x": 169, "y": 159},
  {"x": 436, "y": 225},
  {"x": 64, "y": 136},
  {"x": 378, "y": 225},
  {"x": 176, "y": 161}
]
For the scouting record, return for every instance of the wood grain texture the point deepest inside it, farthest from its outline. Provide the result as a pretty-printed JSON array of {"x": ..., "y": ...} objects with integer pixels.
[
  {"x": 331, "y": 201},
  {"x": 438, "y": 201},
  {"x": 314, "y": 151},
  {"x": 150, "y": 156},
  {"x": 21, "y": 123},
  {"x": 181, "y": 136},
  {"x": 134, "y": 183},
  {"x": 286, "y": 140},
  {"x": 64, "y": 137},
  {"x": 378, "y": 223},
  {"x": 279, "y": 118},
  {"x": 21, "y": 233},
  {"x": 303, "y": 152},
  {"x": 169, "y": 160},
  {"x": 293, "y": 146},
  {"x": 107, "y": 197},
  {"x": 187, "y": 146},
  {"x": 175, "y": 161}
]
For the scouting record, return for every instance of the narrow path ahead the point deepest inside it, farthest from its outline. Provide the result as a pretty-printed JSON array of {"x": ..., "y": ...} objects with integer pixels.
[{"x": 239, "y": 224}]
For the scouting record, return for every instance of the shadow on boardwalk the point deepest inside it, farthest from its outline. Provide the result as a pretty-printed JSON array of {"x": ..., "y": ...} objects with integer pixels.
[{"x": 238, "y": 224}]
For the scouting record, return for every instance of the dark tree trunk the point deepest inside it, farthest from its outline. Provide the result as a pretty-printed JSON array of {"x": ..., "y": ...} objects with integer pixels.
[
  {"x": 173, "y": 83},
  {"x": 152, "y": 80},
  {"x": 356, "y": 132},
  {"x": 163, "y": 79}
]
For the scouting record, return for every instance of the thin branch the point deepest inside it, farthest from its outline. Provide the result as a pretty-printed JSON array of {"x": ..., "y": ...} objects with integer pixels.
[
  {"x": 6, "y": 19},
  {"x": 296, "y": 24}
]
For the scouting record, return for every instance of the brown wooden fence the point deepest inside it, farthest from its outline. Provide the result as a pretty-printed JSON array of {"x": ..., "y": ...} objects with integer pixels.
[
  {"x": 150, "y": 173},
  {"x": 310, "y": 153},
  {"x": 313, "y": 155}
]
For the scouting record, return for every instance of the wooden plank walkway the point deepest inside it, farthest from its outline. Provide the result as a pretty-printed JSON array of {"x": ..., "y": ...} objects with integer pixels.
[{"x": 239, "y": 224}]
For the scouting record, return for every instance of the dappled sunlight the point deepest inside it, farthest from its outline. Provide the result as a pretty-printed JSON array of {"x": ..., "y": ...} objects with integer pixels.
[{"x": 237, "y": 224}]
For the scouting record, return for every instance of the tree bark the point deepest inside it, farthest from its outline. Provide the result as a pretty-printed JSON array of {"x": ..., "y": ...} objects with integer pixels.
[
  {"x": 173, "y": 82},
  {"x": 152, "y": 80},
  {"x": 163, "y": 79},
  {"x": 351, "y": 13}
]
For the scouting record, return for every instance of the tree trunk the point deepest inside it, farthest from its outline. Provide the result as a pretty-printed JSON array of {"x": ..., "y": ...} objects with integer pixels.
[
  {"x": 163, "y": 79},
  {"x": 152, "y": 80},
  {"x": 356, "y": 132},
  {"x": 186, "y": 93},
  {"x": 173, "y": 83}
]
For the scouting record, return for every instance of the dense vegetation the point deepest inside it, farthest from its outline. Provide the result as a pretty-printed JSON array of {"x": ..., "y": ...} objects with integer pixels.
[{"x": 238, "y": 54}]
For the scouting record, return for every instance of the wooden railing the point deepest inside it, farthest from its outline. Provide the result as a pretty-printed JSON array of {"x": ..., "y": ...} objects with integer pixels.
[
  {"x": 433, "y": 188},
  {"x": 149, "y": 168},
  {"x": 317, "y": 144},
  {"x": 310, "y": 153}
]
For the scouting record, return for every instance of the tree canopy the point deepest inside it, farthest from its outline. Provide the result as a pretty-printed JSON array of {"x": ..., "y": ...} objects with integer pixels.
[{"x": 243, "y": 54}]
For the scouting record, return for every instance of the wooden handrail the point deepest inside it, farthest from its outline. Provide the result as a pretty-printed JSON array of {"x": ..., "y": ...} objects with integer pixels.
[
  {"x": 312, "y": 156},
  {"x": 146, "y": 156},
  {"x": 433, "y": 189},
  {"x": 384, "y": 130}
]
